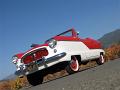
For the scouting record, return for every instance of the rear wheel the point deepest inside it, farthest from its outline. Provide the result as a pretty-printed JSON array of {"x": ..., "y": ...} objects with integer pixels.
[
  {"x": 73, "y": 66},
  {"x": 35, "y": 78},
  {"x": 100, "y": 60}
]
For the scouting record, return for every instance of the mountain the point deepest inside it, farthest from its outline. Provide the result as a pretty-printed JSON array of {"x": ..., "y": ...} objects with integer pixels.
[
  {"x": 110, "y": 38},
  {"x": 10, "y": 77}
]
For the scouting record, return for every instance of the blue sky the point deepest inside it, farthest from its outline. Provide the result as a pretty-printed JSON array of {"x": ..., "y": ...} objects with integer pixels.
[{"x": 23, "y": 22}]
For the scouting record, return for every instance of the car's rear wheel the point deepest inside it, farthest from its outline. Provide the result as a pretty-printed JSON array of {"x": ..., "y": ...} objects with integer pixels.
[
  {"x": 35, "y": 78},
  {"x": 100, "y": 60},
  {"x": 73, "y": 66}
]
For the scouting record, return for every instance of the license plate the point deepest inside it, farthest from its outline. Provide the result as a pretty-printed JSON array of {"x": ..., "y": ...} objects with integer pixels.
[{"x": 32, "y": 67}]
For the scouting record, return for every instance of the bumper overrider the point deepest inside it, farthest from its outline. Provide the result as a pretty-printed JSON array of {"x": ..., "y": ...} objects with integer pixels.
[{"x": 33, "y": 67}]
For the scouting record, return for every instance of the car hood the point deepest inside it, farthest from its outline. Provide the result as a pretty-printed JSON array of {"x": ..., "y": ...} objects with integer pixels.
[{"x": 20, "y": 55}]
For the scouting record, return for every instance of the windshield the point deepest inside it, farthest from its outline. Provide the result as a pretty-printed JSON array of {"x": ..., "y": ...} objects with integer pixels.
[
  {"x": 47, "y": 41},
  {"x": 67, "y": 33}
]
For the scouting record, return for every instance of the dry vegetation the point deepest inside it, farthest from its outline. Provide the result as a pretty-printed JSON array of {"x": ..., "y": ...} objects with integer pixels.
[
  {"x": 112, "y": 52},
  {"x": 18, "y": 83},
  {"x": 13, "y": 84},
  {"x": 5, "y": 85}
]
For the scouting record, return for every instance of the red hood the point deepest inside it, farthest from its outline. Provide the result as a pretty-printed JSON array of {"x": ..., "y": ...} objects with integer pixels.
[{"x": 20, "y": 55}]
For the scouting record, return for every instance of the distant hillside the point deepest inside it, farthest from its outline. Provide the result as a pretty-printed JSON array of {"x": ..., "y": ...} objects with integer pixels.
[
  {"x": 10, "y": 77},
  {"x": 110, "y": 38}
]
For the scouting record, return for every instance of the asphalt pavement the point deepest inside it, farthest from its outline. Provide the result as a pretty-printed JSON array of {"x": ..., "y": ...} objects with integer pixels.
[{"x": 103, "y": 77}]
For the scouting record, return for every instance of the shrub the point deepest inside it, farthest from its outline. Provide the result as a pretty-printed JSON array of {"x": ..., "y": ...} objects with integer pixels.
[
  {"x": 5, "y": 85},
  {"x": 18, "y": 83},
  {"x": 112, "y": 52}
]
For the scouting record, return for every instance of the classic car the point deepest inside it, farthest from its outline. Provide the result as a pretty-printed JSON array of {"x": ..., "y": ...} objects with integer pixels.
[{"x": 65, "y": 47}]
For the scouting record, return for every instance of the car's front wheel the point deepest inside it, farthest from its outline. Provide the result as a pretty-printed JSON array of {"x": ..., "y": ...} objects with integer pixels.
[
  {"x": 100, "y": 60},
  {"x": 73, "y": 65},
  {"x": 35, "y": 78}
]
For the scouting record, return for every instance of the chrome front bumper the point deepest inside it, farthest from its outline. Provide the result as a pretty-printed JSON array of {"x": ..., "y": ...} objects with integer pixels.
[{"x": 33, "y": 67}]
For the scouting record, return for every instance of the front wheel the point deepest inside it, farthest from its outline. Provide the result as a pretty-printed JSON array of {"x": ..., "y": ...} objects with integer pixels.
[
  {"x": 100, "y": 60},
  {"x": 35, "y": 78},
  {"x": 73, "y": 66}
]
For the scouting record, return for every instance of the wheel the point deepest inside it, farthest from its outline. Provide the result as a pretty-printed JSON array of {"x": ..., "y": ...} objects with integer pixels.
[
  {"x": 100, "y": 60},
  {"x": 35, "y": 78},
  {"x": 73, "y": 66}
]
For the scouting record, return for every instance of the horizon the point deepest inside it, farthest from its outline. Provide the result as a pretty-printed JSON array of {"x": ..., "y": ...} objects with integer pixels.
[{"x": 26, "y": 21}]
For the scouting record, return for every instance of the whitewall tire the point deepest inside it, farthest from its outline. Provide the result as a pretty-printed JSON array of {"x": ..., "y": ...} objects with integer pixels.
[
  {"x": 73, "y": 66},
  {"x": 100, "y": 60}
]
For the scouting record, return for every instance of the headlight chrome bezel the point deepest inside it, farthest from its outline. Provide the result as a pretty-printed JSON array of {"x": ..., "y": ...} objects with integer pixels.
[
  {"x": 14, "y": 59},
  {"x": 52, "y": 43}
]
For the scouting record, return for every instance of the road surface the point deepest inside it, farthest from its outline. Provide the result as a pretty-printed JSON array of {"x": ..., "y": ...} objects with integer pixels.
[{"x": 103, "y": 77}]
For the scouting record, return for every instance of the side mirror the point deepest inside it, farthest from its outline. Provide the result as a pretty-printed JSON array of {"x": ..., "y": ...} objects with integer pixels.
[{"x": 77, "y": 33}]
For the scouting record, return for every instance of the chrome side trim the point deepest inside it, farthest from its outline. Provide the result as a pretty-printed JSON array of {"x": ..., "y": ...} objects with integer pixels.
[{"x": 54, "y": 58}]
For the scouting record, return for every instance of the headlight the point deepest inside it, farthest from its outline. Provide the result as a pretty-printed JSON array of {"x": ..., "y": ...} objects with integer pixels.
[
  {"x": 52, "y": 43},
  {"x": 14, "y": 59}
]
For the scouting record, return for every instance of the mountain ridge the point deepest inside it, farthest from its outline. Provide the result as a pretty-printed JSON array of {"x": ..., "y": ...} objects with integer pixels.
[{"x": 110, "y": 38}]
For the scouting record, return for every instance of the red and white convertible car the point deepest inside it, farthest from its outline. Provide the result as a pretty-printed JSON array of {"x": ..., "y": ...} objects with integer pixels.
[{"x": 65, "y": 47}]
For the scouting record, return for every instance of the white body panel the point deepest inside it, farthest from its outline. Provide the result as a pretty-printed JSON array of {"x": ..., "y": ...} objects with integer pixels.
[
  {"x": 74, "y": 48},
  {"x": 70, "y": 48}
]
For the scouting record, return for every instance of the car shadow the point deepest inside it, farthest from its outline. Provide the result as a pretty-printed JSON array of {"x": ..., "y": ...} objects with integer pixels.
[
  {"x": 58, "y": 68},
  {"x": 88, "y": 68}
]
